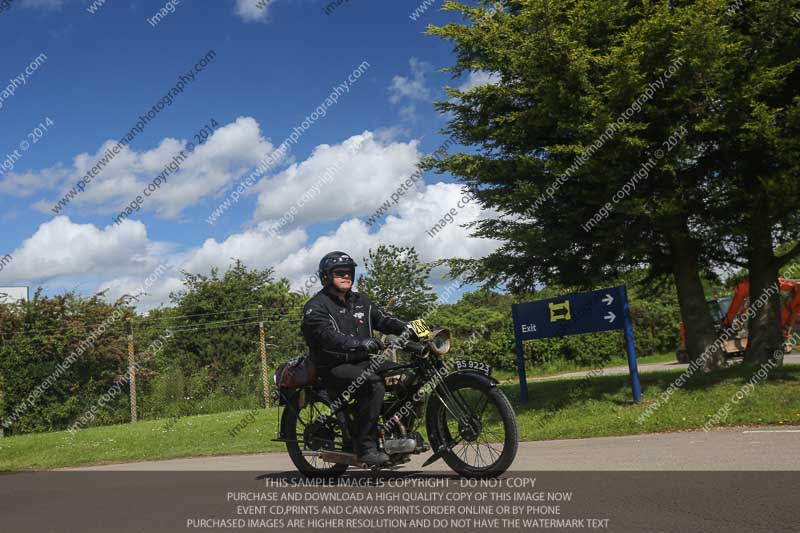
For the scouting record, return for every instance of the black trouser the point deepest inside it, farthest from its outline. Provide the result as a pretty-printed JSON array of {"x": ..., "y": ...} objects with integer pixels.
[{"x": 368, "y": 395}]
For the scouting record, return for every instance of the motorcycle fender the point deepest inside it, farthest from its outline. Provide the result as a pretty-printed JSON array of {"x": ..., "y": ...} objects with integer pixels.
[{"x": 468, "y": 375}]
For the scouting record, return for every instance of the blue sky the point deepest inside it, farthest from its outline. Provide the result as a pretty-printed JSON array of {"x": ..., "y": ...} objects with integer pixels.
[{"x": 271, "y": 69}]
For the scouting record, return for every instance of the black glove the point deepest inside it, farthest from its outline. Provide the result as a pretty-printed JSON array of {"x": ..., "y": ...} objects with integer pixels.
[{"x": 371, "y": 344}]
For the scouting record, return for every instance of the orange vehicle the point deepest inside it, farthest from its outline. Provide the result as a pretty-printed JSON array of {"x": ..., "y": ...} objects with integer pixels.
[{"x": 724, "y": 311}]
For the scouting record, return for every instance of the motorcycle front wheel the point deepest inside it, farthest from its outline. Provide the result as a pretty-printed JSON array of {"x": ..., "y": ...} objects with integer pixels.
[{"x": 477, "y": 425}]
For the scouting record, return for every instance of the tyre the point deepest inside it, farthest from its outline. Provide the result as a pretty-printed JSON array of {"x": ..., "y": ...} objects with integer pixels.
[
  {"x": 314, "y": 429},
  {"x": 487, "y": 445}
]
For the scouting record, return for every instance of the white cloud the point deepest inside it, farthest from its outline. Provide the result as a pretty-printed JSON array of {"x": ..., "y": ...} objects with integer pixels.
[
  {"x": 361, "y": 172},
  {"x": 253, "y": 10},
  {"x": 227, "y": 154},
  {"x": 408, "y": 113},
  {"x": 412, "y": 88},
  {"x": 417, "y": 213},
  {"x": 390, "y": 134},
  {"x": 478, "y": 78},
  {"x": 295, "y": 257},
  {"x": 62, "y": 248},
  {"x": 230, "y": 151},
  {"x": 256, "y": 248},
  {"x": 26, "y": 184},
  {"x": 118, "y": 259},
  {"x": 248, "y": 10}
]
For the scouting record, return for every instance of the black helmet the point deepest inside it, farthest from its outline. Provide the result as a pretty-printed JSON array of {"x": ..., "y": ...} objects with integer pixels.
[{"x": 331, "y": 261}]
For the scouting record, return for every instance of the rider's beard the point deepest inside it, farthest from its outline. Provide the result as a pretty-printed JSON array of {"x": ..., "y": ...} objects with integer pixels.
[
  {"x": 338, "y": 292},
  {"x": 342, "y": 290}
]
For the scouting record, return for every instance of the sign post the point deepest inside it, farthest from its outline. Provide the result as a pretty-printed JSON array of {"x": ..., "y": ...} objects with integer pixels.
[
  {"x": 523, "y": 379},
  {"x": 573, "y": 314},
  {"x": 630, "y": 347}
]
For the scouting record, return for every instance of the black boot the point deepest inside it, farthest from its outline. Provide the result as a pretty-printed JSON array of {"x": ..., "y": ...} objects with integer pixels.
[{"x": 373, "y": 457}]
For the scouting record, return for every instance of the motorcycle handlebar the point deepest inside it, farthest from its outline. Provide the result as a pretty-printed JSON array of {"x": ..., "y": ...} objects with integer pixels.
[
  {"x": 405, "y": 344},
  {"x": 415, "y": 347}
]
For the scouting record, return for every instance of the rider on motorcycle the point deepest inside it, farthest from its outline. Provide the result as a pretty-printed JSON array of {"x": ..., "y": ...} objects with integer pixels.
[{"x": 337, "y": 326}]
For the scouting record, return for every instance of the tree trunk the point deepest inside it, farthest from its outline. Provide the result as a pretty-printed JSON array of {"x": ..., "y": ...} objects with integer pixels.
[
  {"x": 764, "y": 335},
  {"x": 700, "y": 331}
]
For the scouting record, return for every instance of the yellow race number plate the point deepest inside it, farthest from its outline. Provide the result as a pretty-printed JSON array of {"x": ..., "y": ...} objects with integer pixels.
[{"x": 420, "y": 328}]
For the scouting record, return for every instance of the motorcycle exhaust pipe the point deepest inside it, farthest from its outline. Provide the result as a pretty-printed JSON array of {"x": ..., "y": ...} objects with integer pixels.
[{"x": 332, "y": 456}]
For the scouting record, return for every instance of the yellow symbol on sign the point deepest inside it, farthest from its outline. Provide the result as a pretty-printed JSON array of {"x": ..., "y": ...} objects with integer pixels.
[
  {"x": 560, "y": 311},
  {"x": 420, "y": 328}
]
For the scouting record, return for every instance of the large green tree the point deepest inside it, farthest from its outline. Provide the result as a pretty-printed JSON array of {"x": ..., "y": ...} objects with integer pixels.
[
  {"x": 754, "y": 161},
  {"x": 594, "y": 145}
]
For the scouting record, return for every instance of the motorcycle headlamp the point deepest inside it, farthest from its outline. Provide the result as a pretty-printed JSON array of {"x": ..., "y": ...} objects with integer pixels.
[{"x": 440, "y": 341}]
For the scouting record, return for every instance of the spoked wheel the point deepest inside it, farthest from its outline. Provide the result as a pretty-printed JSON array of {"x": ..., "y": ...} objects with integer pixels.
[
  {"x": 315, "y": 429},
  {"x": 480, "y": 424}
]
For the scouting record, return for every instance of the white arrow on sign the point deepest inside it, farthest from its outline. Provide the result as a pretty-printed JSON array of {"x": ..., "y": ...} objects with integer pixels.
[
  {"x": 608, "y": 299},
  {"x": 610, "y": 316}
]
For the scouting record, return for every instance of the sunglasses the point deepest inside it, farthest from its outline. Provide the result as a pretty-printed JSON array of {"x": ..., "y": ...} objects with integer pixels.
[{"x": 342, "y": 273}]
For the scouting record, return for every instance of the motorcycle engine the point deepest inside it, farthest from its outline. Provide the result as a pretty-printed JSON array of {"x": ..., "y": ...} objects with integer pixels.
[
  {"x": 413, "y": 443},
  {"x": 402, "y": 445}
]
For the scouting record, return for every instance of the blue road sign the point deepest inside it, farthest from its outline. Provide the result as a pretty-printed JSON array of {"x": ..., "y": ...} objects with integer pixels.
[{"x": 573, "y": 314}]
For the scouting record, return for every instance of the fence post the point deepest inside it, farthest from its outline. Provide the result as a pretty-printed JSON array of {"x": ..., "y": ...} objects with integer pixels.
[
  {"x": 132, "y": 372},
  {"x": 264, "y": 370}
]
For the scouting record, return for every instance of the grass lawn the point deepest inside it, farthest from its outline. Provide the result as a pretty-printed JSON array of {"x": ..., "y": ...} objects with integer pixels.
[
  {"x": 603, "y": 405},
  {"x": 563, "y": 408}
]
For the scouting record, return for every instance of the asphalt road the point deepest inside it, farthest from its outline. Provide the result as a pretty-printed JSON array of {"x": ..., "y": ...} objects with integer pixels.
[
  {"x": 730, "y": 449},
  {"x": 728, "y": 480}
]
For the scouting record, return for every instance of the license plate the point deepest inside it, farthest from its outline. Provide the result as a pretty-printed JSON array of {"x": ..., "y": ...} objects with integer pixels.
[{"x": 479, "y": 366}]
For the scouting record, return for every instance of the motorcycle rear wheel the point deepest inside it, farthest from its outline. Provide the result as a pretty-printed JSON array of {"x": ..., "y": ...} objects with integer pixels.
[{"x": 311, "y": 428}]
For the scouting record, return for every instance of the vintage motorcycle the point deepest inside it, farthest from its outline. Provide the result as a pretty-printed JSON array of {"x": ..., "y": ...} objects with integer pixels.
[{"x": 469, "y": 421}]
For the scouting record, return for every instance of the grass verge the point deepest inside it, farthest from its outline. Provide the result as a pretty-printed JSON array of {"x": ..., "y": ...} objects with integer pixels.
[
  {"x": 561, "y": 366},
  {"x": 558, "y": 409}
]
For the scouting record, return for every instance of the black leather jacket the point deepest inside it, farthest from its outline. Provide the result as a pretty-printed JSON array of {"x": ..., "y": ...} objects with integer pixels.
[{"x": 334, "y": 329}]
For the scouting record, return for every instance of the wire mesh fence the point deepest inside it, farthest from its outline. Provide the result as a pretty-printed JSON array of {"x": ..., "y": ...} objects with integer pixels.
[{"x": 160, "y": 366}]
